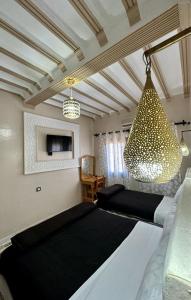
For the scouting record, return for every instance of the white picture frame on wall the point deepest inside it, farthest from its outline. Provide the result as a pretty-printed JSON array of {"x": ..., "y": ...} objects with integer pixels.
[{"x": 31, "y": 164}]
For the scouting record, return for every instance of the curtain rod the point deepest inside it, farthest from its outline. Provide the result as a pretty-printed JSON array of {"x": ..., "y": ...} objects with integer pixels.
[
  {"x": 173, "y": 39},
  {"x": 183, "y": 122},
  {"x": 110, "y": 132}
]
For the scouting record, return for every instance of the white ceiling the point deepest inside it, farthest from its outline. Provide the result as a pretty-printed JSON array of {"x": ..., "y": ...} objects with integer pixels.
[{"x": 112, "y": 16}]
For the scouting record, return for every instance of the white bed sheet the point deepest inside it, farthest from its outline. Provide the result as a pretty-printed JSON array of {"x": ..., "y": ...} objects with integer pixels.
[
  {"x": 121, "y": 275},
  {"x": 167, "y": 205}
]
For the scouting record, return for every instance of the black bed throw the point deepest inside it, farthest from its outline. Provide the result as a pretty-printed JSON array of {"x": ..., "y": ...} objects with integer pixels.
[
  {"x": 128, "y": 202},
  {"x": 52, "y": 260},
  {"x": 39, "y": 232}
]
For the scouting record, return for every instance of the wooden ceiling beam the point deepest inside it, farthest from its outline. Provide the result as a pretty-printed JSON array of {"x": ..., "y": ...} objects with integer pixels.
[
  {"x": 35, "y": 11},
  {"x": 156, "y": 68},
  {"x": 64, "y": 95},
  {"x": 126, "y": 67},
  {"x": 83, "y": 10},
  {"x": 25, "y": 63},
  {"x": 30, "y": 43},
  {"x": 105, "y": 93},
  {"x": 184, "y": 46},
  {"x": 11, "y": 92},
  {"x": 81, "y": 109},
  {"x": 153, "y": 30},
  {"x": 55, "y": 103},
  {"x": 118, "y": 87},
  {"x": 95, "y": 99},
  {"x": 87, "y": 104},
  {"x": 16, "y": 85},
  {"x": 132, "y": 11},
  {"x": 19, "y": 76},
  {"x": 93, "y": 113}
]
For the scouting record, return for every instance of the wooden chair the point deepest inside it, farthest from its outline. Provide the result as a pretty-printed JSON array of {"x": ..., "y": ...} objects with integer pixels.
[{"x": 90, "y": 182}]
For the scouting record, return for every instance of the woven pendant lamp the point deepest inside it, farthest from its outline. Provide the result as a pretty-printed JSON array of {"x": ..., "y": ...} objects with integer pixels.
[{"x": 152, "y": 152}]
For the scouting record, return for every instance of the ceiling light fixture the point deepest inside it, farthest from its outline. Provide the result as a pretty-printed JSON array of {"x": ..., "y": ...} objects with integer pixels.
[
  {"x": 152, "y": 152},
  {"x": 184, "y": 148},
  {"x": 71, "y": 107}
]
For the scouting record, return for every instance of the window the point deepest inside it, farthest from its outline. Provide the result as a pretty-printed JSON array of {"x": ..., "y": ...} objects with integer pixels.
[{"x": 115, "y": 161}]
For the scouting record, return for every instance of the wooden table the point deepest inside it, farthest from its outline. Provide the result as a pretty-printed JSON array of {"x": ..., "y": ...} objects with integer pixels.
[{"x": 90, "y": 186}]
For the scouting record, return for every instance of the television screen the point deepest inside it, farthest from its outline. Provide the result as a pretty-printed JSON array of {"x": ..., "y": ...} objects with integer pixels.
[{"x": 58, "y": 143}]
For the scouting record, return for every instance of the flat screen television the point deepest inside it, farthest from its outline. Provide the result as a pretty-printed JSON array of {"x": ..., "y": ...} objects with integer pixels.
[{"x": 58, "y": 143}]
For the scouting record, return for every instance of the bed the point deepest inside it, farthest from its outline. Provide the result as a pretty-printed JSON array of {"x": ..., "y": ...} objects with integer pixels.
[
  {"x": 145, "y": 206},
  {"x": 62, "y": 257},
  {"x": 87, "y": 253}
]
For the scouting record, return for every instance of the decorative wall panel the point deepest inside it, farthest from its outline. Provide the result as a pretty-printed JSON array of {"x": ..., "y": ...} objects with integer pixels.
[{"x": 31, "y": 164}]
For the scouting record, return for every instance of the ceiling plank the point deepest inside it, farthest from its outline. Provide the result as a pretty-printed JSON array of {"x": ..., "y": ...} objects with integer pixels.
[
  {"x": 83, "y": 10},
  {"x": 64, "y": 95},
  {"x": 161, "y": 25},
  {"x": 51, "y": 26},
  {"x": 16, "y": 85},
  {"x": 26, "y": 63},
  {"x": 93, "y": 113},
  {"x": 95, "y": 99},
  {"x": 87, "y": 104},
  {"x": 81, "y": 109},
  {"x": 105, "y": 93},
  {"x": 126, "y": 67},
  {"x": 118, "y": 87},
  {"x": 55, "y": 103},
  {"x": 19, "y": 76},
  {"x": 132, "y": 11},
  {"x": 29, "y": 42},
  {"x": 11, "y": 92},
  {"x": 156, "y": 68},
  {"x": 184, "y": 46}
]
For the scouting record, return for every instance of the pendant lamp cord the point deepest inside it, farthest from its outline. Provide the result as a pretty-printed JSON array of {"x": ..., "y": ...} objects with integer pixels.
[{"x": 147, "y": 61}]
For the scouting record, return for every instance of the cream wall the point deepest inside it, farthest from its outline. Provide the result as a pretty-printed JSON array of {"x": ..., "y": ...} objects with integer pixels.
[
  {"x": 177, "y": 109},
  {"x": 20, "y": 204}
]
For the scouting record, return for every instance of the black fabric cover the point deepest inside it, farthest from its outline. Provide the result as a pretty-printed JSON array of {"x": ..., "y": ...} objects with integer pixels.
[
  {"x": 35, "y": 234},
  {"x": 108, "y": 192},
  {"x": 142, "y": 205},
  {"x": 57, "y": 266}
]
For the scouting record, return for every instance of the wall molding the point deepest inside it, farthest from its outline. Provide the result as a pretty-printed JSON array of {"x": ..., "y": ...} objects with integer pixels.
[{"x": 31, "y": 165}]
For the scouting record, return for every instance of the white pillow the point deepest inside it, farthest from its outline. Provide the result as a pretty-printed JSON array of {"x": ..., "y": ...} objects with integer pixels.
[{"x": 151, "y": 286}]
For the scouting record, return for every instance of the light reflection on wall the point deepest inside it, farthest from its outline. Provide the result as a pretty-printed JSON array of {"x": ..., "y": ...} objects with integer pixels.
[{"x": 5, "y": 133}]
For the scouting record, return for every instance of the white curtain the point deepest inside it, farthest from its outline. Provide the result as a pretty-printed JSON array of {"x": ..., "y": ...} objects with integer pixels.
[
  {"x": 109, "y": 157},
  {"x": 109, "y": 149}
]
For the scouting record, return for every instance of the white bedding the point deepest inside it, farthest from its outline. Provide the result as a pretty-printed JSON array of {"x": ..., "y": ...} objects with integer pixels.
[
  {"x": 120, "y": 277},
  {"x": 122, "y": 273},
  {"x": 167, "y": 205},
  {"x": 177, "y": 273}
]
